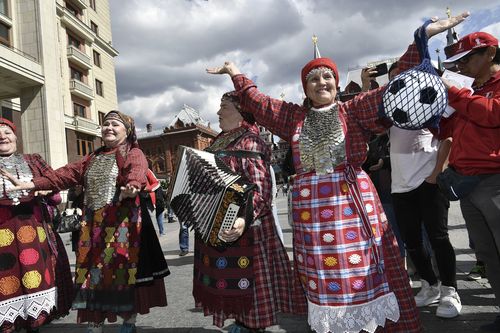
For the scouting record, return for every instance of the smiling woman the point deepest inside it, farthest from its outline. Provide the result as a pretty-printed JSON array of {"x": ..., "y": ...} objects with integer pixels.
[
  {"x": 35, "y": 277},
  {"x": 116, "y": 275},
  {"x": 347, "y": 257}
]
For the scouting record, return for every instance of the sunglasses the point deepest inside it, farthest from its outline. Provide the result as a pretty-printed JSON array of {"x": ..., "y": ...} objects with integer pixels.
[{"x": 464, "y": 60}]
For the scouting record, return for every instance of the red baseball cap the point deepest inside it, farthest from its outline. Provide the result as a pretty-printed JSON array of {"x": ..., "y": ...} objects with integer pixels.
[{"x": 466, "y": 44}]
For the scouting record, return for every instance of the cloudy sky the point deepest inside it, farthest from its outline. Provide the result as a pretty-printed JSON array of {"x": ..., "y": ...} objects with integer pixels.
[{"x": 165, "y": 45}]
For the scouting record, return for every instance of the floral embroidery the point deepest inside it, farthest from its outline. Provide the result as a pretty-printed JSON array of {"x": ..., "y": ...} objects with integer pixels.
[
  {"x": 32, "y": 279},
  {"x": 9, "y": 285},
  {"x": 243, "y": 283},
  {"x": 334, "y": 286},
  {"x": 358, "y": 284},
  {"x": 221, "y": 263},
  {"x": 26, "y": 234},
  {"x": 6, "y": 237},
  {"x": 354, "y": 259},
  {"x": 330, "y": 261},
  {"x": 328, "y": 237},
  {"x": 29, "y": 256},
  {"x": 243, "y": 262}
]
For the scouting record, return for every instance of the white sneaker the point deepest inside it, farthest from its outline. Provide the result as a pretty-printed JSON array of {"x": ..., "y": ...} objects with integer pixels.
[
  {"x": 428, "y": 294},
  {"x": 449, "y": 305}
]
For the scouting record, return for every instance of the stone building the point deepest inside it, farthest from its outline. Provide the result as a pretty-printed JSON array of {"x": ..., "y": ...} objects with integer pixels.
[
  {"x": 160, "y": 146},
  {"x": 57, "y": 74}
]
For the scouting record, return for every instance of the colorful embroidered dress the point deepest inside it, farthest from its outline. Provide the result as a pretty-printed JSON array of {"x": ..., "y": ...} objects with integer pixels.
[
  {"x": 252, "y": 279},
  {"x": 346, "y": 253},
  {"x": 28, "y": 292},
  {"x": 107, "y": 264}
]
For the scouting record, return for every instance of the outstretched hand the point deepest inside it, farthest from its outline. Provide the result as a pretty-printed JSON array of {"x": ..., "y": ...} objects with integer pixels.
[
  {"x": 18, "y": 185},
  {"x": 228, "y": 68},
  {"x": 128, "y": 191},
  {"x": 440, "y": 25}
]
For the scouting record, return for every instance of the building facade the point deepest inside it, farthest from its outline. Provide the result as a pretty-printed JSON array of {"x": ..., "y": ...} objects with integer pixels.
[
  {"x": 57, "y": 74},
  {"x": 161, "y": 146}
]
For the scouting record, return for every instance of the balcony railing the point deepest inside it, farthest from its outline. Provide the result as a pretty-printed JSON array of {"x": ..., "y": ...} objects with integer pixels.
[
  {"x": 77, "y": 26},
  {"x": 78, "y": 56},
  {"x": 81, "y": 89}
]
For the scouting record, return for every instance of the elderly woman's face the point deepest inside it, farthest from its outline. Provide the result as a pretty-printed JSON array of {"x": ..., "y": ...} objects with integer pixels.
[
  {"x": 229, "y": 117},
  {"x": 321, "y": 88},
  {"x": 113, "y": 133},
  {"x": 8, "y": 141}
]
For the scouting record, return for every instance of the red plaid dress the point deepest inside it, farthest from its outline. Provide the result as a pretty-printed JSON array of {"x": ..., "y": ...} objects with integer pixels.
[
  {"x": 35, "y": 276},
  {"x": 334, "y": 254},
  {"x": 275, "y": 287},
  {"x": 109, "y": 244}
]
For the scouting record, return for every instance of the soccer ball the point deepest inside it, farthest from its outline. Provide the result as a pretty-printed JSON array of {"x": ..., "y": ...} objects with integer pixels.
[{"x": 414, "y": 99}]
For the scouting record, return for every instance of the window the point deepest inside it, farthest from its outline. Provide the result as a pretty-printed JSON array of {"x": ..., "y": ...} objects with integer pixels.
[
  {"x": 76, "y": 74},
  {"x": 94, "y": 27},
  {"x": 99, "y": 89},
  {"x": 74, "y": 10},
  {"x": 84, "y": 144},
  {"x": 92, "y": 4},
  {"x": 4, "y": 8},
  {"x": 97, "y": 58},
  {"x": 75, "y": 42},
  {"x": 101, "y": 115},
  {"x": 79, "y": 110},
  {"x": 4, "y": 34}
]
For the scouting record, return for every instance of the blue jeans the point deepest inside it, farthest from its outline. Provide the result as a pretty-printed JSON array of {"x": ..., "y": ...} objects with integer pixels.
[
  {"x": 183, "y": 237},
  {"x": 159, "y": 220}
]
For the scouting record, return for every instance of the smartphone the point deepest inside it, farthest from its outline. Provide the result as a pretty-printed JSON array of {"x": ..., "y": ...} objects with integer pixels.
[{"x": 381, "y": 69}]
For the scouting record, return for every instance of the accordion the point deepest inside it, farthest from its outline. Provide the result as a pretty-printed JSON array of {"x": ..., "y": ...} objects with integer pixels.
[{"x": 206, "y": 195}]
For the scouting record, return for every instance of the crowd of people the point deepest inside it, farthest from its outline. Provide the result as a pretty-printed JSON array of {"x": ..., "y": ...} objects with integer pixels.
[{"x": 348, "y": 273}]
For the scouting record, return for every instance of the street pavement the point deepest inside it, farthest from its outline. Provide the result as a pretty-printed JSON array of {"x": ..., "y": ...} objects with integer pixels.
[{"x": 181, "y": 316}]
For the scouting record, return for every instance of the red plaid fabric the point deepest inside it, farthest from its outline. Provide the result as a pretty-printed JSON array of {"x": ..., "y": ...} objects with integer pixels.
[
  {"x": 275, "y": 287},
  {"x": 328, "y": 199}
]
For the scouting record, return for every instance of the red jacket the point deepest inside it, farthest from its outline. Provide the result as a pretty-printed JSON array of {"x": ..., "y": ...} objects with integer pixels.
[{"x": 475, "y": 128}]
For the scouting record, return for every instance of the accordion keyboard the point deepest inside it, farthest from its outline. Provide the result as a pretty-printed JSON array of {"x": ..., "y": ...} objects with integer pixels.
[{"x": 229, "y": 218}]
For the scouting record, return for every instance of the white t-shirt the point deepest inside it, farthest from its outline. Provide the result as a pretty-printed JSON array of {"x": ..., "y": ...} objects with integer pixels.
[{"x": 413, "y": 158}]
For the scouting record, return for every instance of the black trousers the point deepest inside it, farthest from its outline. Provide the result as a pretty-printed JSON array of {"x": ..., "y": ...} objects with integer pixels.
[{"x": 426, "y": 205}]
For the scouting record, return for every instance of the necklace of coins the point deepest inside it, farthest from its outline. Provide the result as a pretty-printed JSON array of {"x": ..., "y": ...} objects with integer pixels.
[
  {"x": 16, "y": 165},
  {"x": 321, "y": 141},
  {"x": 224, "y": 140}
]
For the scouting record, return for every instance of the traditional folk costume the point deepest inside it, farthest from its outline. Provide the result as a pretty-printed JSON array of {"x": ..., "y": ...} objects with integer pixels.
[
  {"x": 347, "y": 257},
  {"x": 251, "y": 280},
  {"x": 120, "y": 266},
  {"x": 29, "y": 251}
]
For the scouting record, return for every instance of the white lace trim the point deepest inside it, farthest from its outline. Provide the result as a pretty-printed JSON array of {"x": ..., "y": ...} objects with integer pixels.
[
  {"x": 28, "y": 305},
  {"x": 353, "y": 318}
]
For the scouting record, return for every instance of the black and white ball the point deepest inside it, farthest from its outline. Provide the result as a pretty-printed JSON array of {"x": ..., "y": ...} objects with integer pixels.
[{"x": 414, "y": 99}]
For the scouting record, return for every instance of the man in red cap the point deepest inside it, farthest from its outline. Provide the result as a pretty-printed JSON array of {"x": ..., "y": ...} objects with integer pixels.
[{"x": 475, "y": 128}]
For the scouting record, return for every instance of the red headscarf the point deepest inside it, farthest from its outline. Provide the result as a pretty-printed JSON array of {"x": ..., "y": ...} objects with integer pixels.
[
  {"x": 319, "y": 62},
  {"x": 7, "y": 122}
]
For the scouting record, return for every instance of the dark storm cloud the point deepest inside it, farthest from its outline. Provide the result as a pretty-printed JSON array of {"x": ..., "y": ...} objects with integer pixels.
[{"x": 165, "y": 45}]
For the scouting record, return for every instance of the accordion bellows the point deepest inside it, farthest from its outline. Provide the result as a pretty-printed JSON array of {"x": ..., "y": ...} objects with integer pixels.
[{"x": 206, "y": 195}]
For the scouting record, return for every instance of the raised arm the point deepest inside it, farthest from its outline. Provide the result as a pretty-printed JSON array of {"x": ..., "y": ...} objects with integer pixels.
[
  {"x": 364, "y": 108},
  {"x": 481, "y": 110},
  {"x": 274, "y": 114}
]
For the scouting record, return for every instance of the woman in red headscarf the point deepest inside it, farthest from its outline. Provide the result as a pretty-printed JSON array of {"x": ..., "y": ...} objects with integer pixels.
[
  {"x": 120, "y": 265},
  {"x": 347, "y": 257},
  {"x": 35, "y": 277}
]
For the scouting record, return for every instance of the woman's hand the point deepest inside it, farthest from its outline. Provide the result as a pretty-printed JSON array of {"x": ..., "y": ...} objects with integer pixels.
[
  {"x": 367, "y": 77},
  {"x": 377, "y": 166},
  {"x": 18, "y": 185},
  {"x": 228, "y": 68},
  {"x": 236, "y": 232},
  {"x": 128, "y": 191},
  {"x": 440, "y": 25}
]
